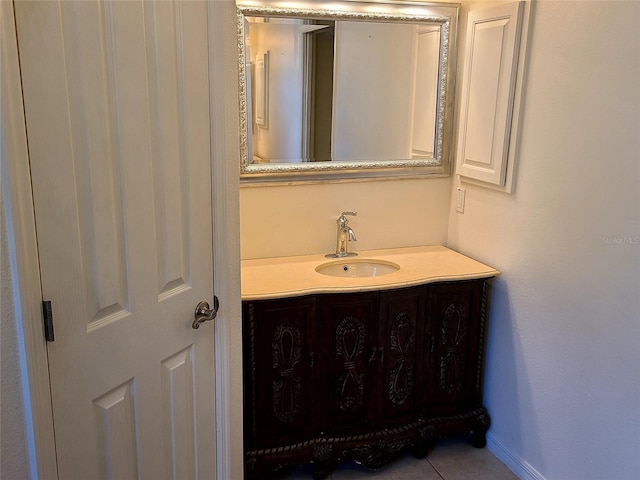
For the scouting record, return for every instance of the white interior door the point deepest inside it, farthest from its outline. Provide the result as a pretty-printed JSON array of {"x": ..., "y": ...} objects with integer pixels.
[{"x": 117, "y": 111}]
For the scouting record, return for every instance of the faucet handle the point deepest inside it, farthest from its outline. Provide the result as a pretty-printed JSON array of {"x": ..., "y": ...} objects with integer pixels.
[{"x": 342, "y": 220}]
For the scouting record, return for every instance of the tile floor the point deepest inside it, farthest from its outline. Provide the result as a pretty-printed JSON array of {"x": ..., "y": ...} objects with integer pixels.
[{"x": 451, "y": 459}]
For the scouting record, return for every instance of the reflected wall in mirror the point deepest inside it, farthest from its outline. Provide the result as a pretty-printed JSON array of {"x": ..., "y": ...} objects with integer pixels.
[{"x": 361, "y": 91}]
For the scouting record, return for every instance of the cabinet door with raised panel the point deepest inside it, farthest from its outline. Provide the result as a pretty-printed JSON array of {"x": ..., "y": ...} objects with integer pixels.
[
  {"x": 486, "y": 133},
  {"x": 456, "y": 343},
  {"x": 280, "y": 365},
  {"x": 401, "y": 355},
  {"x": 347, "y": 323}
]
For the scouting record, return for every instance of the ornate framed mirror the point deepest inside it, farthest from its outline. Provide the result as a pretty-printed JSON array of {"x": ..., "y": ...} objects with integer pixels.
[{"x": 345, "y": 90}]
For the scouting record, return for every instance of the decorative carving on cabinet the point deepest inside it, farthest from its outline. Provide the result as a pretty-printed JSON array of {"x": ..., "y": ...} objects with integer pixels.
[
  {"x": 377, "y": 454},
  {"x": 484, "y": 420},
  {"x": 452, "y": 360},
  {"x": 481, "y": 336},
  {"x": 251, "y": 333},
  {"x": 428, "y": 433},
  {"x": 286, "y": 354},
  {"x": 400, "y": 378},
  {"x": 323, "y": 452},
  {"x": 350, "y": 342}
]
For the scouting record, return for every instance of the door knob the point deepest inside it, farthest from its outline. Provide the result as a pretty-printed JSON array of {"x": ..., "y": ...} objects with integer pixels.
[{"x": 204, "y": 313}]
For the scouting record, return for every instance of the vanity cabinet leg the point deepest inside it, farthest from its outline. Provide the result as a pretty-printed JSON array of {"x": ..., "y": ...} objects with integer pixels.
[
  {"x": 420, "y": 448},
  {"x": 425, "y": 442},
  {"x": 479, "y": 434},
  {"x": 479, "y": 438},
  {"x": 323, "y": 470}
]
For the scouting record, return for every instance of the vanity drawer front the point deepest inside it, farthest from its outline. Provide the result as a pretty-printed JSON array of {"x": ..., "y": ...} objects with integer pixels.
[{"x": 280, "y": 371}]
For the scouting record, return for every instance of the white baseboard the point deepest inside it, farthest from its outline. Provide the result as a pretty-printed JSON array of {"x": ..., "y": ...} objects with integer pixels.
[{"x": 514, "y": 462}]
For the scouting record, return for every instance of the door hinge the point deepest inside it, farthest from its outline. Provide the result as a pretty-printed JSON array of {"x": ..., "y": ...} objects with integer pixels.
[{"x": 47, "y": 312}]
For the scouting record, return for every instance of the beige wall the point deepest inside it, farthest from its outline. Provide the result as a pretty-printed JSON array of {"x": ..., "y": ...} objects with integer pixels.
[
  {"x": 278, "y": 140},
  {"x": 564, "y": 334},
  {"x": 278, "y": 221},
  {"x": 14, "y": 461},
  {"x": 377, "y": 58}
]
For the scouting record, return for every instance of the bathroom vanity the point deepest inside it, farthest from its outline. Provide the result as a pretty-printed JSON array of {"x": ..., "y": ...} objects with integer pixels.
[{"x": 338, "y": 366}]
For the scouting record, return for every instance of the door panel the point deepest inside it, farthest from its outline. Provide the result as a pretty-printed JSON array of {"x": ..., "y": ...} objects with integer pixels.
[
  {"x": 280, "y": 355},
  {"x": 349, "y": 321},
  {"x": 402, "y": 322},
  {"x": 116, "y": 430},
  {"x": 178, "y": 418},
  {"x": 454, "y": 310},
  {"x": 117, "y": 111}
]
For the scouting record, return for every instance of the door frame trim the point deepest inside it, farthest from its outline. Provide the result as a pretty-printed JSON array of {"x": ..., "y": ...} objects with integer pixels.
[
  {"x": 23, "y": 254},
  {"x": 225, "y": 155}
]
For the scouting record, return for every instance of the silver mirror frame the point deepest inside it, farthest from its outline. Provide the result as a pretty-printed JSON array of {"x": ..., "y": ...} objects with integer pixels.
[{"x": 444, "y": 14}]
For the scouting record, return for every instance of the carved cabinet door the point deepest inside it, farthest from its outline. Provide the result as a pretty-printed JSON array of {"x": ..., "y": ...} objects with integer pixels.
[
  {"x": 280, "y": 362},
  {"x": 400, "y": 355},
  {"x": 348, "y": 322},
  {"x": 456, "y": 343}
]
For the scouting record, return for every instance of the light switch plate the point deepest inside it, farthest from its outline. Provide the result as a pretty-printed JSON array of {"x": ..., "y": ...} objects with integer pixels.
[{"x": 460, "y": 194}]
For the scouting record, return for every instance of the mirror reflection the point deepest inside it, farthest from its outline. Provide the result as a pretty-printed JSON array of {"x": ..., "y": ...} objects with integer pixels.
[
  {"x": 365, "y": 91},
  {"x": 325, "y": 90}
]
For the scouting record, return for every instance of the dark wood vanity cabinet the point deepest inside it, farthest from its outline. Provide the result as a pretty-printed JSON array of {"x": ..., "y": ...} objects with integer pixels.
[{"x": 362, "y": 376}]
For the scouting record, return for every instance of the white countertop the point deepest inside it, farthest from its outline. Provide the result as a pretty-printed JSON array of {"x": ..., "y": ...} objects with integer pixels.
[{"x": 296, "y": 276}]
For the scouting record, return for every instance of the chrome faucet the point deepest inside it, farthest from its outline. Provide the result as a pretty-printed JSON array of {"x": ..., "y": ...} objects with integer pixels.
[{"x": 345, "y": 233}]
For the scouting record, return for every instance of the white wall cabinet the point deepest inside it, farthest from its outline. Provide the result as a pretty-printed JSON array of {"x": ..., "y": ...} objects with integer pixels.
[{"x": 487, "y": 127}]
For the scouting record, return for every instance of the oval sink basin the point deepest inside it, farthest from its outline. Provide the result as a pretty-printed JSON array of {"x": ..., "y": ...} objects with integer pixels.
[{"x": 357, "y": 268}]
